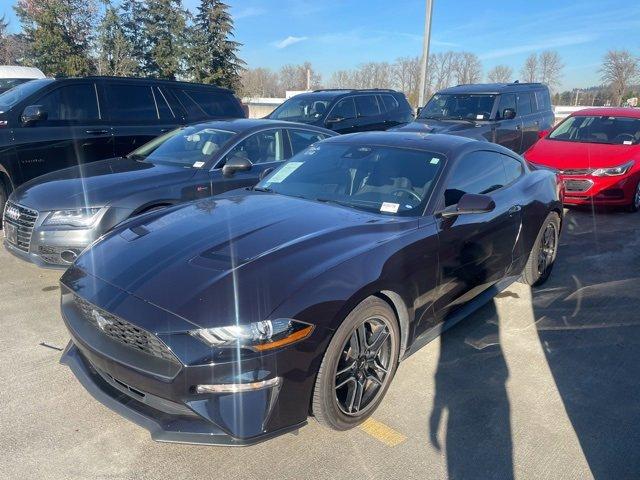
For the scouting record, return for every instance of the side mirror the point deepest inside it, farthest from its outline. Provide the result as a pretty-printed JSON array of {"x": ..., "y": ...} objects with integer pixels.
[
  {"x": 543, "y": 133},
  {"x": 32, "y": 114},
  {"x": 508, "y": 113},
  {"x": 236, "y": 164},
  {"x": 265, "y": 172},
  {"x": 468, "y": 204}
]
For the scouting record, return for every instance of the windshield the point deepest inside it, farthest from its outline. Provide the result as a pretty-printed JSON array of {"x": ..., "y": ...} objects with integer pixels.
[
  {"x": 7, "y": 83},
  {"x": 11, "y": 97},
  {"x": 598, "y": 129},
  {"x": 302, "y": 108},
  {"x": 187, "y": 146},
  {"x": 458, "y": 107},
  {"x": 389, "y": 180}
]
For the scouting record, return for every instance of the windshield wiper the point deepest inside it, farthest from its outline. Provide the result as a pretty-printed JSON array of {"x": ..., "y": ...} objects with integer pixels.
[
  {"x": 347, "y": 204},
  {"x": 262, "y": 189}
]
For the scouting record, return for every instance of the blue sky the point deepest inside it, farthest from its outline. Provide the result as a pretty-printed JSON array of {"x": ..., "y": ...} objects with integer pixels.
[{"x": 340, "y": 34}]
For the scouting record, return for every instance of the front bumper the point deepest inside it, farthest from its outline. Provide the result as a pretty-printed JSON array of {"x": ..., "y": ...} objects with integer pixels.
[{"x": 614, "y": 191}]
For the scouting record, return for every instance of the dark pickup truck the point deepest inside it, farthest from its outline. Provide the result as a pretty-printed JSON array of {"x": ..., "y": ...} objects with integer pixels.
[{"x": 510, "y": 114}]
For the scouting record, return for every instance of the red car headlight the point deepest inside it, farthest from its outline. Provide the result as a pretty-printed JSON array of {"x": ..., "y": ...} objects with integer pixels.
[{"x": 613, "y": 171}]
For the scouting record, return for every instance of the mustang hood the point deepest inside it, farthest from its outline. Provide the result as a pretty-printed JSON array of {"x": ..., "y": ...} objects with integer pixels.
[
  {"x": 233, "y": 258},
  {"x": 95, "y": 184},
  {"x": 576, "y": 155}
]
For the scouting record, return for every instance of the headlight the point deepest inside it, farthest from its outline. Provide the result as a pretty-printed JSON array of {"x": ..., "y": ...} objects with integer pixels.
[
  {"x": 613, "y": 171},
  {"x": 82, "y": 217},
  {"x": 258, "y": 336}
]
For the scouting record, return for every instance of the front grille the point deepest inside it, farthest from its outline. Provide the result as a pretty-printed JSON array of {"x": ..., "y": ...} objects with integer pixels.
[
  {"x": 123, "y": 331},
  {"x": 577, "y": 171},
  {"x": 23, "y": 219},
  {"x": 577, "y": 185}
]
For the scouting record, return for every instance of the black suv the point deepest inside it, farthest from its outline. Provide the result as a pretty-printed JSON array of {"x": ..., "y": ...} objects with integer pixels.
[
  {"x": 347, "y": 111},
  {"x": 49, "y": 124},
  {"x": 511, "y": 114}
]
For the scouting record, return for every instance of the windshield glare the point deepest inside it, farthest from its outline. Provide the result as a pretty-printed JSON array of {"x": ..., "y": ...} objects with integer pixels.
[
  {"x": 599, "y": 129},
  {"x": 188, "y": 146},
  {"x": 459, "y": 107},
  {"x": 389, "y": 180},
  {"x": 302, "y": 109},
  {"x": 13, "y": 96}
]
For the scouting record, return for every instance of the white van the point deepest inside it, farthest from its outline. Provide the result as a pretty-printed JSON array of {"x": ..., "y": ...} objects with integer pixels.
[{"x": 12, "y": 75}]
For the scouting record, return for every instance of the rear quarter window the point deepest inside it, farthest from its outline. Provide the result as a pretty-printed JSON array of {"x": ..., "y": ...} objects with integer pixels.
[
  {"x": 131, "y": 103},
  {"x": 203, "y": 103},
  {"x": 543, "y": 101}
]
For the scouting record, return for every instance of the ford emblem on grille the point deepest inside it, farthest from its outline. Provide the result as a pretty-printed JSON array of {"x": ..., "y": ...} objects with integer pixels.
[
  {"x": 12, "y": 213},
  {"x": 102, "y": 322}
]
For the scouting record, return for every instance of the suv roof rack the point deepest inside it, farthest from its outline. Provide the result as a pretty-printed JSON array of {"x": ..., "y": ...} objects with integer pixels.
[{"x": 354, "y": 90}]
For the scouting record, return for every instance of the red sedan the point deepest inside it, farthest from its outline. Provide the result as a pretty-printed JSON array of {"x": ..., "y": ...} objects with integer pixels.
[{"x": 596, "y": 153}]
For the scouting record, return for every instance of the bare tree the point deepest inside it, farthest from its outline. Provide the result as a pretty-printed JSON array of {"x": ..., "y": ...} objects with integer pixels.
[
  {"x": 468, "y": 68},
  {"x": 406, "y": 77},
  {"x": 619, "y": 69},
  {"x": 12, "y": 46},
  {"x": 259, "y": 82},
  {"x": 500, "y": 74},
  {"x": 442, "y": 64},
  {"x": 342, "y": 79},
  {"x": 294, "y": 77},
  {"x": 529, "y": 70},
  {"x": 550, "y": 68}
]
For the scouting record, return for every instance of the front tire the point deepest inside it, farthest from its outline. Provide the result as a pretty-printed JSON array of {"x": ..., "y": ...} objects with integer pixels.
[
  {"x": 358, "y": 366},
  {"x": 544, "y": 251},
  {"x": 3, "y": 201},
  {"x": 634, "y": 206}
]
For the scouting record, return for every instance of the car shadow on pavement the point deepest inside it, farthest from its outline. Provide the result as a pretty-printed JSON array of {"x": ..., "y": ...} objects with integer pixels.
[
  {"x": 588, "y": 322},
  {"x": 471, "y": 394}
]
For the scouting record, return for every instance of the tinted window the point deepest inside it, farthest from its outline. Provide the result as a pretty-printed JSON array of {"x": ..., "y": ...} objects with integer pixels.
[
  {"x": 507, "y": 100},
  {"x": 477, "y": 172},
  {"x": 460, "y": 105},
  {"x": 209, "y": 103},
  {"x": 395, "y": 181},
  {"x": 367, "y": 105},
  {"x": 132, "y": 103},
  {"x": 164, "y": 109},
  {"x": 301, "y": 139},
  {"x": 303, "y": 108},
  {"x": 261, "y": 147},
  {"x": 543, "y": 102},
  {"x": 345, "y": 108},
  {"x": 524, "y": 104},
  {"x": 389, "y": 103},
  {"x": 22, "y": 91},
  {"x": 71, "y": 103},
  {"x": 512, "y": 169}
]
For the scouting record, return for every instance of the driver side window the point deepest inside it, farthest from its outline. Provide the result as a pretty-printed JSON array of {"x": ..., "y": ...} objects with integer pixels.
[
  {"x": 261, "y": 147},
  {"x": 507, "y": 100},
  {"x": 479, "y": 172},
  {"x": 345, "y": 108}
]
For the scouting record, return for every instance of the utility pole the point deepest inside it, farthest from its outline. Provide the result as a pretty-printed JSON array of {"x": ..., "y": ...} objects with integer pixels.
[{"x": 425, "y": 53}]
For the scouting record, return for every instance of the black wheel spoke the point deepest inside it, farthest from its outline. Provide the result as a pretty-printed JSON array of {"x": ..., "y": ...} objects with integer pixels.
[
  {"x": 379, "y": 340},
  {"x": 355, "y": 345},
  {"x": 362, "y": 338},
  {"x": 359, "y": 392}
]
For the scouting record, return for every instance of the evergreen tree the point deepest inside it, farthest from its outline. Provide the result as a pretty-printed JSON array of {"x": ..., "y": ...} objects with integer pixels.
[
  {"x": 132, "y": 19},
  {"x": 164, "y": 26},
  {"x": 58, "y": 34},
  {"x": 115, "y": 52},
  {"x": 213, "y": 56}
]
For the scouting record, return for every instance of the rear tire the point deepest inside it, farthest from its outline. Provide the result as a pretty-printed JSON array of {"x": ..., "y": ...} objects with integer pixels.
[
  {"x": 544, "y": 251},
  {"x": 358, "y": 366}
]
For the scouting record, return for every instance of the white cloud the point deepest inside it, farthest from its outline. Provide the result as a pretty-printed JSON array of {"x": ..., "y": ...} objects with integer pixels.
[
  {"x": 290, "y": 40},
  {"x": 561, "y": 41},
  {"x": 249, "y": 12}
]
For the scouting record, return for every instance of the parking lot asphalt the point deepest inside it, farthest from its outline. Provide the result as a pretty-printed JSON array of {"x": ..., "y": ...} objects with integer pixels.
[{"x": 538, "y": 384}]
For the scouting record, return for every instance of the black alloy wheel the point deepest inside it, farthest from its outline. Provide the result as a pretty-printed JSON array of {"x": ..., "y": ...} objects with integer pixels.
[{"x": 544, "y": 252}]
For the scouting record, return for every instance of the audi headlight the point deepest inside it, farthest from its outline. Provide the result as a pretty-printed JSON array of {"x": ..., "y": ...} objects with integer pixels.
[
  {"x": 258, "y": 336},
  {"x": 81, "y": 217},
  {"x": 613, "y": 171}
]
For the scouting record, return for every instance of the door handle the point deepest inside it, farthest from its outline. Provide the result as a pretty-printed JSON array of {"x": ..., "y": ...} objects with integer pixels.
[
  {"x": 102, "y": 131},
  {"x": 164, "y": 130},
  {"x": 514, "y": 209}
]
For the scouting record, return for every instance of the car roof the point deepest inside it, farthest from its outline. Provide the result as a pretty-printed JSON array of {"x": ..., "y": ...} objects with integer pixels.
[
  {"x": 415, "y": 140},
  {"x": 146, "y": 80},
  {"x": 336, "y": 92},
  {"x": 493, "y": 88},
  {"x": 608, "y": 111},
  {"x": 15, "y": 71},
  {"x": 238, "y": 125}
]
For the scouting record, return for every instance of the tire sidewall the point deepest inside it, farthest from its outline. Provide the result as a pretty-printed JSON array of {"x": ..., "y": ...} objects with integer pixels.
[{"x": 541, "y": 278}]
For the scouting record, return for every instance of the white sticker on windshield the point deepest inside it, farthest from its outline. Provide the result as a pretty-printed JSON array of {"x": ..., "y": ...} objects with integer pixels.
[
  {"x": 434, "y": 161},
  {"x": 480, "y": 117},
  {"x": 286, "y": 170},
  {"x": 627, "y": 142},
  {"x": 198, "y": 164},
  {"x": 389, "y": 207}
]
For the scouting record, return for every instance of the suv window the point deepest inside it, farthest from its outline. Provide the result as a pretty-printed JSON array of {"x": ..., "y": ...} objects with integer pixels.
[
  {"x": 301, "y": 139},
  {"x": 164, "y": 109},
  {"x": 131, "y": 103},
  {"x": 479, "y": 172},
  {"x": 543, "y": 101},
  {"x": 524, "y": 103},
  {"x": 201, "y": 103},
  {"x": 345, "y": 108},
  {"x": 389, "y": 102},
  {"x": 507, "y": 100},
  {"x": 367, "y": 105},
  {"x": 74, "y": 103},
  {"x": 261, "y": 147},
  {"x": 512, "y": 168}
]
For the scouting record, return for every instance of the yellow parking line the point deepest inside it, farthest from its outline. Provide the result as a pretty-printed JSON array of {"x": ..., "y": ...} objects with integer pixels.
[{"x": 383, "y": 433}]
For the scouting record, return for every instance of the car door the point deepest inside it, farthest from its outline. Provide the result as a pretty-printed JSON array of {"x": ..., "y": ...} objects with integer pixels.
[
  {"x": 391, "y": 115},
  {"x": 264, "y": 149},
  {"x": 369, "y": 113},
  {"x": 476, "y": 250},
  {"x": 138, "y": 112},
  {"x": 343, "y": 117},
  {"x": 73, "y": 132},
  {"x": 530, "y": 120},
  {"x": 299, "y": 139},
  {"x": 507, "y": 131}
]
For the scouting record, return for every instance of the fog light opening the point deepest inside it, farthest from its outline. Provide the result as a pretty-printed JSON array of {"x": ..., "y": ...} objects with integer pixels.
[
  {"x": 238, "y": 387},
  {"x": 68, "y": 256}
]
